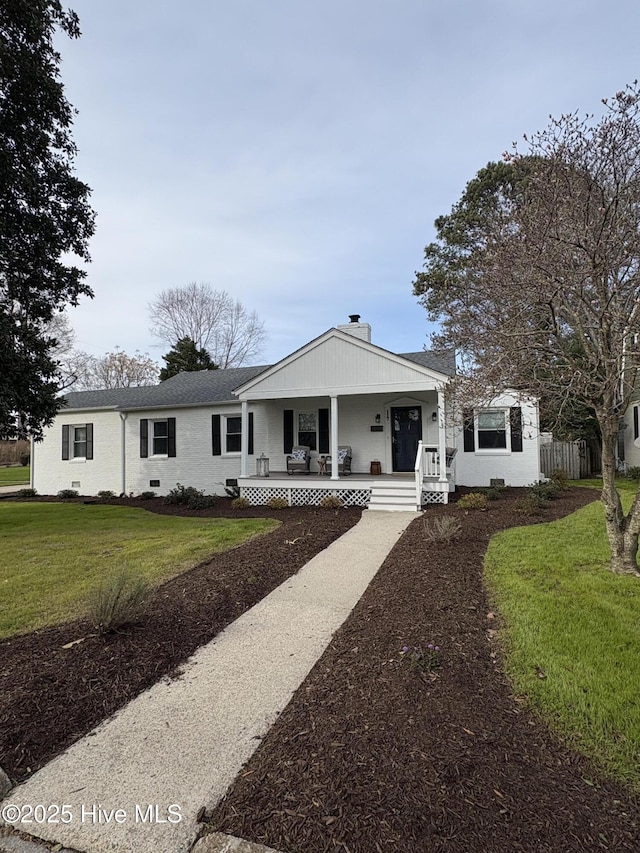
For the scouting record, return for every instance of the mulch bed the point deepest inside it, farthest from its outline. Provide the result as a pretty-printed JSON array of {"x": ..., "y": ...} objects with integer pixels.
[
  {"x": 370, "y": 756},
  {"x": 50, "y": 695}
]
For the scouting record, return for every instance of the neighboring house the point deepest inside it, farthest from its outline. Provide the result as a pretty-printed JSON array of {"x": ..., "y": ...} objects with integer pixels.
[{"x": 205, "y": 428}]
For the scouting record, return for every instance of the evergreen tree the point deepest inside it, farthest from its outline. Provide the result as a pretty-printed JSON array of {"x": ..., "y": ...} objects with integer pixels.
[{"x": 185, "y": 357}]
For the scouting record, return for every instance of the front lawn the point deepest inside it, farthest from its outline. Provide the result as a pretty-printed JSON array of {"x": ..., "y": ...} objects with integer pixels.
[
  {"x": 53, "y": 554},
  {"x": 16, "y": 475},
  {"x": 571, "y": 633}
]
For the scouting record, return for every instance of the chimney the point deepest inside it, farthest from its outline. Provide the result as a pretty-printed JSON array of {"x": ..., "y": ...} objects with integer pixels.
[{"x": 356, "y": 328}]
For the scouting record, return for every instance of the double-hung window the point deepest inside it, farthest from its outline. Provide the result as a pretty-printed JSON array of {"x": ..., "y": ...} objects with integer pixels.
[
  {"x": 160, "y": 438},
  {"x": 308, "y": 429},
  {"x": 157, "y": 437},
  {"x": 233, "y": 434},
  {"x": 77, "y": 441},
  {"x": 492, "y": 430}
]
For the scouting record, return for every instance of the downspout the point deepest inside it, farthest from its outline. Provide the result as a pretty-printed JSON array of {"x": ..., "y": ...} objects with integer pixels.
[{"x": 123, "y": 453}]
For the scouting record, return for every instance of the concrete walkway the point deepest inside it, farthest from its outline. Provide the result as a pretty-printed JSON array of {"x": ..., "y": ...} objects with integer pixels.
[{"x": 136, "y": 784}]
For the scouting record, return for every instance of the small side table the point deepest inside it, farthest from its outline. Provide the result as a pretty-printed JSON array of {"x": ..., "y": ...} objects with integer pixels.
[{"x": 322, "y": 465}]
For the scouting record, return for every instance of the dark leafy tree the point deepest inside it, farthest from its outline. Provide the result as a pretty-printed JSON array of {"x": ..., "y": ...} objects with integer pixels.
[
  {"x": 546, "y": 296},
  {"x": 45, "y": 215},
  {"x": 185, "y": 357}
]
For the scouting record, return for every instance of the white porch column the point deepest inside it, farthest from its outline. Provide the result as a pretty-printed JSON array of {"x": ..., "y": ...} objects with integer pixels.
[
  {"x": 244, "y": 440},
  {"x": 333, "y": 440},
  {"x": 442, "y": 438}
]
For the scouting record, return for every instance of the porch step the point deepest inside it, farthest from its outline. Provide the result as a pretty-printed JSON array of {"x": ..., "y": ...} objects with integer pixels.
[{"x": 393, "y": 497}]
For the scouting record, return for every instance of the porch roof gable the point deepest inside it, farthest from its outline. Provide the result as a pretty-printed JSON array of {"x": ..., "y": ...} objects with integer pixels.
[{"x": 337, "y": 363}]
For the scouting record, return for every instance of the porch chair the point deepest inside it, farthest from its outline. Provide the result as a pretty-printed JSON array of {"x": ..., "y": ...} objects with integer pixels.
[
  {"x": 299, "y": 459},
  {"x": 344, "y": 460}
]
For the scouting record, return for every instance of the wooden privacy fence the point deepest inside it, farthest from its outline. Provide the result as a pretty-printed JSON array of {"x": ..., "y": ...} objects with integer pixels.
[{"x": 578, "y": 458}]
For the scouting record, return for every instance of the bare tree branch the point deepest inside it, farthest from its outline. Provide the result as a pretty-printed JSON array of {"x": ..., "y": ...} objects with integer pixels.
[{"x": 212, "y": 319}]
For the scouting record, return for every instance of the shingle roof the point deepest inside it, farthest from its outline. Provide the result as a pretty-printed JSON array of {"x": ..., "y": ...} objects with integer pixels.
[
  {"x": 184, "y": 389},
  {"x": 443, "y": 361},
  {"x": 210, "y": 386}
]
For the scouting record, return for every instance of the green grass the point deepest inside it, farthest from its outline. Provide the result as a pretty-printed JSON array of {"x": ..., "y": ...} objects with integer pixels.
[
  {"x": 53, "y": 554},
  {"x": 572, "y": 633},
  {"x": 15, "y": 476}
]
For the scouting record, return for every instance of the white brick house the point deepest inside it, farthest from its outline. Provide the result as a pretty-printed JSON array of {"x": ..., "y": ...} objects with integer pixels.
[{"x": 202, "y": 429}]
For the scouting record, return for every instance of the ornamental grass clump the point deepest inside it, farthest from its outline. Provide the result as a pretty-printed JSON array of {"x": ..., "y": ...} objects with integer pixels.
[
  {"x": 331, "y": 502},
  {"x": 443, "y": 528},
  {"x": 117, "y": 602},
  {"x": 240, "y": 503},
  {"x": 278, "y": 503}
]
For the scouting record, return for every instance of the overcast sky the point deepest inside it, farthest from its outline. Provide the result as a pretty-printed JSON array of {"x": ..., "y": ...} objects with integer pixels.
[{"x": 296, "y": 154}]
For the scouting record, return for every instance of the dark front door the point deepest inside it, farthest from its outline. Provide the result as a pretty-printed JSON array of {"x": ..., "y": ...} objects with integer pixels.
[{"x": 406, "y": 432}]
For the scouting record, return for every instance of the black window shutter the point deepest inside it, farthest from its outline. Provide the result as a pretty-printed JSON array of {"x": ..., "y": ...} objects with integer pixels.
[
  {"x": 323, "y": 430},
  {"x": 89, "y": 428},
  {"x": 171, "y": 434},
  {"x": 468, "y": 431},
  {"x": 65, "y": 441},
  {"x": 636, "y": 431},
  {"x": 144, "y": 438},
  {"x": 515, "y": 422},
  {"x": 216, "y": 443},
  {"x": 287, "y": 430},
  {"x": 250, "y": 433}
]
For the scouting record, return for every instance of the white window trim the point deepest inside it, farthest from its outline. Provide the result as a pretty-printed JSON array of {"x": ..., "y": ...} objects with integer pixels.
[
  {"x": 72, "y": 432},
  {"x": 152, "y": 438},
  {"x": 492, "y": 451},
  {"x": 224, "y": 434},
  {"x": 315, "y": 412}
]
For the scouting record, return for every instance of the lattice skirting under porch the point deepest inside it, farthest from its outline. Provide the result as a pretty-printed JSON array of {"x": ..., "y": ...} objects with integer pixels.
[
  {"x": 434, "y": 498},
  {"x": 298, "y": 496}
]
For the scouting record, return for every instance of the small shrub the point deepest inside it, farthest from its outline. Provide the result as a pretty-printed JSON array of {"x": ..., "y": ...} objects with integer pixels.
[
  {"x": 474, "y": 500},
  {"x": 105, "y": 494},
  {"x": 146, "y": 496},
  {"x": 633, "y": 473},
  {"x": 190, "y": 497},
  {"x": 492, "y": 493},
  {"x": 25, "y": 458},
  {"x": 531, "y": 504},
  {"x": 560, "y": 477},
  {"x": 67, "y": 494},
  {"x": 240, "y": 503},
  {"x": 26, "y": 493},
  {"x": 444, "y": 528},
  {"x": 331, "y": 502},
  {"x": 278, "y": 503},
  {"x": 117, "y": 602},
  {"x": 545, "y": 491},
  {"x": 425, "y": 660}
]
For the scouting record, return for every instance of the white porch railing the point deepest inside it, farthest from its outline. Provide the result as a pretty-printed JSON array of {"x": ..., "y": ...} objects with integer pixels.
[{"x": 428, "y": 466}]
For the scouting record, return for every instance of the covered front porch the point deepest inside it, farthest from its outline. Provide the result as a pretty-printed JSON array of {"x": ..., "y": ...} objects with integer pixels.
[{"x": 341, "y": 392}]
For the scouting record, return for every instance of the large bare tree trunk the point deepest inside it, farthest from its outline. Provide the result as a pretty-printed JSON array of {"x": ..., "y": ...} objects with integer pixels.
[{"x": 622, "y": 530}]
